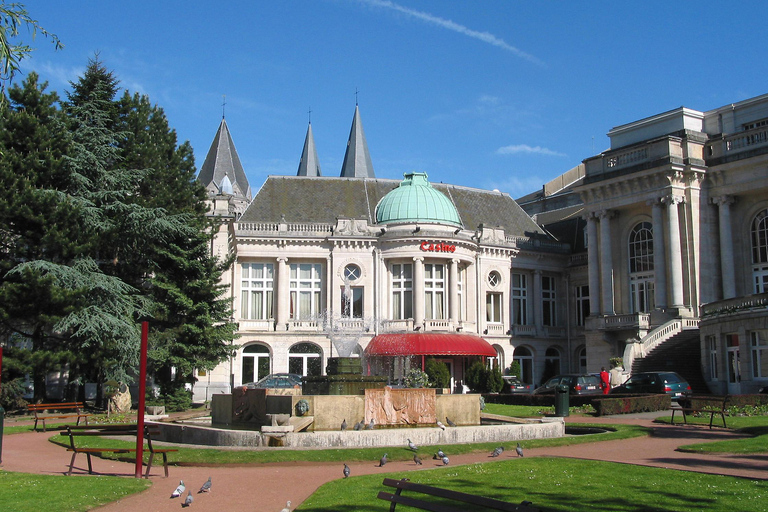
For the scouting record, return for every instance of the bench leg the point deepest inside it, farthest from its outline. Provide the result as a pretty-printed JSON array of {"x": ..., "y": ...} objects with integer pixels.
[
  {"x": 165, "y": 463},
  {"x": 90, "y": 468},
  {"x": 149, "y": 464},
  {"x": 71, "y": 463}
]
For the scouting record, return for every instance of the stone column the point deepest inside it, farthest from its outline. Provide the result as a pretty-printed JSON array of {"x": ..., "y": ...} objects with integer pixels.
[
  {"x": 726, "y": 245},
  {"x": 453, "y": 282},
  {"x": 659, "y": 255},
  {"x": 418, "y": 291},
  {"x": 675, "y": 250},
  {"x": 594, "y": 265},
  {"x": 283, "y": 313},
  {"x": 606, "y": 261}
]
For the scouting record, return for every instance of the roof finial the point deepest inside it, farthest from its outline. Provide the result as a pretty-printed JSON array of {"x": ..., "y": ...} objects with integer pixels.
[
  {"x": 309, "y": 114},
  {"x": 223, "y": 104},
  {"x": 356, "y": 91}
]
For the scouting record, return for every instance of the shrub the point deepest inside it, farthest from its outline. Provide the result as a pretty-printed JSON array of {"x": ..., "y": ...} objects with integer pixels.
[
  {"x": 482, "y": 379},
  {"x": 438, "y": 373},
  {"x": 11, "y": 395},
  {"x": 515, "y": 369},
  {"x": 624, "y": 404},
  {"x": 415, "y": 378},
  {"x": 175, "y": 401}
]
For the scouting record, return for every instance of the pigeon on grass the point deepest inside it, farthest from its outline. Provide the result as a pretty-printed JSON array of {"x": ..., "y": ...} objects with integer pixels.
[
  {"x": 346, "y": 471},
  {"x": 383, "y": 460},
  {"x": 412, "y": 446},
  {"x": 519, "y": 450},
  {"x": 417, "y": 459}
]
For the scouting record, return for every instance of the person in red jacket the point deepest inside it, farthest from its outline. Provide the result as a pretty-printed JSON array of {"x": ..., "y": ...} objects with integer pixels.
[{"x": 605, "y": 381}]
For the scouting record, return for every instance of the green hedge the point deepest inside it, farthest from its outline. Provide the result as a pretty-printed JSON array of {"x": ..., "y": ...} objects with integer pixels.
[{"x": 625, "y": 404}]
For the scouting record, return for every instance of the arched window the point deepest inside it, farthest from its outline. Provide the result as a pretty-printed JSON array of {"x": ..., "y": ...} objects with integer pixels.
[
  {"x": 551, "y": 363},
  {"x": 305, "y": 359},
  {"x": 524, "y": 356},
  {"x": 760, "y": 252},
  {"x": 582, "y": 357},
  {"x": 499, "y": 359},
  {"x": 641, "y": 275},
  {"x": 256, "y": 362}
]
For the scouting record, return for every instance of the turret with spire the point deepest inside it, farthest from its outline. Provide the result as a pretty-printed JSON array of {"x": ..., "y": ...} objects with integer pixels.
[
  {"x": 309, "y": 164},
  {"x": 357, "y": 160}
]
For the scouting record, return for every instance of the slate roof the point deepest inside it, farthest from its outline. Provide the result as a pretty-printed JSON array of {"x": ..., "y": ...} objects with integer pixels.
[
  {"x": 222, "y": 160},
  {"x": 325, "y": 199}
]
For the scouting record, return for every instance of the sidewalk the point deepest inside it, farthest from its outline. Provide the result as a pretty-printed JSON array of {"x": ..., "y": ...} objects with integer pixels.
[{"x": 267, "y": 487}]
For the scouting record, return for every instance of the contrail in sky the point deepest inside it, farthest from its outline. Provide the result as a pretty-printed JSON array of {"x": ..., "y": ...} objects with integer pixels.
[{"x": 451, "y": 25}]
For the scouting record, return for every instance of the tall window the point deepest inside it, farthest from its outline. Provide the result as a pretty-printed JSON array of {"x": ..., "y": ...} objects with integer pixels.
[
  {"x": 582, "y": 354},
  {"x": 582, "y": 305},
  {"x": 352, "y": 301},
  {"x": 641, "y": 275},
  {"x": 255, "y": 363},
  {"x": 460, "y": 291},
  {"x": 551, "y": 363},
  {"x": 759, "y": 354},
  {"x": 434, "y": 291},
  {"x": 493, "y": 308},
  {"x": 760, "y": 252},
  {"x": 402, "y": 291},
  {"x": 524, "y": 356},
  {"x": 305, "y": 288},
  {"x": 305, "y": 359},
  {"x": 257, "y": 291},
  {"x": 712, "y": 346},
  {"x": 548, "y": 301},
  {"x": 519, "y": 299}
]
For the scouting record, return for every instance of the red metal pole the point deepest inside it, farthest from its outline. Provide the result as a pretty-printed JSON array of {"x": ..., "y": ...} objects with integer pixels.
[{"x": 142, "y": 399}]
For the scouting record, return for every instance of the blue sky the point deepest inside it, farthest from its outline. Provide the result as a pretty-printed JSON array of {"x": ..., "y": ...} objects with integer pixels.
[{"x": 488, "y": 94}]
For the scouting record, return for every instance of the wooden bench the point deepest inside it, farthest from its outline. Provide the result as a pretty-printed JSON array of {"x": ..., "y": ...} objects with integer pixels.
[
  {"x": 114, "y": 430},
  {"x": 70, "y": 410},
  {"x": 713, "y": 406},
  {"x": 447, "y": 496}
]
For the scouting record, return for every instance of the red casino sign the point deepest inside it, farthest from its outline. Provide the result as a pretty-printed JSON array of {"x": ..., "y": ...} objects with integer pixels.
[{"x": 437, "y": 247}]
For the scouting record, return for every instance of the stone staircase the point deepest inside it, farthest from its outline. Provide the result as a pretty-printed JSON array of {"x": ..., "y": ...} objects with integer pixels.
[{"x": 682, "y": 354}]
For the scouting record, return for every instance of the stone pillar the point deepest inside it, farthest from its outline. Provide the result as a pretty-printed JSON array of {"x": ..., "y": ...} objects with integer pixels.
[
  {"x": 726, "y": 246},
  {"x": 282, "y": 315},
  {"x": 453, "y": 282},
  {"x": 594, "y": 265},
  {"x": 606, "y": 261},
  {"x": 659, "y": 255},
  {"x": 418, "y": 292},
  {"x": 675, "y": 250}
]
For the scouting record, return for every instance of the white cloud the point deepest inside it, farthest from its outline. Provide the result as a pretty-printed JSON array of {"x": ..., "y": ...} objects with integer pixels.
[
  {"x": 485, "y": 37},
  {"x": 525, "y": 148},
  {"x": 515, "y": 186}
]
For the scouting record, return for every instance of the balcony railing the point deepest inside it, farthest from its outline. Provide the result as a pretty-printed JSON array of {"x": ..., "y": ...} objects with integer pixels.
[
  {"x": 305, "y": 325},
  {"x": 495, "y": 329},
  {"x": 524, "y": 330},
  {"x": 630, "y": 321},
  {"x": 257, "y": 325},
  {"x": 397, "y": 325},
  {"x": 438, "y": 325},
  {"x": 734, "y": 306},
  {"x": 738, "y": 142}
]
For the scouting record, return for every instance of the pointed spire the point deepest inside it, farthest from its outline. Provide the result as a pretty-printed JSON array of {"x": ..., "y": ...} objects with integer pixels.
[
  {"x": 222, "y": 164},
  {"x": 357, "y": 160},
  {"x": 309, "y": 164}
]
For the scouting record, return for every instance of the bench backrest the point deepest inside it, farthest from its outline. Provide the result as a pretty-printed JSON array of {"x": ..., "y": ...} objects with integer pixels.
[
  {"x": 482, "y": 501},
  {"x": 59, "y": 407}
]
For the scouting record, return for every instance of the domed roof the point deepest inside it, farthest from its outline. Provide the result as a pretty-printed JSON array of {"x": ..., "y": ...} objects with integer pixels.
[{"x": 416, "y": 201}]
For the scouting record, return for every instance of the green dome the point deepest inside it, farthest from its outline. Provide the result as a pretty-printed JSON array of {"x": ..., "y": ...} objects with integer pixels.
[{"x": 416, "y": 201}]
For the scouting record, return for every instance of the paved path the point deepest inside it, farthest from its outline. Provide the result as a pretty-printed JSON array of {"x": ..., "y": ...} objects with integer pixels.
[{"x": 266, "y": 487}]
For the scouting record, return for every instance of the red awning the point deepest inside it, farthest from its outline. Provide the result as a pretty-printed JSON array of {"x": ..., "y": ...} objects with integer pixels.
[{"x": 429, "y": 344}]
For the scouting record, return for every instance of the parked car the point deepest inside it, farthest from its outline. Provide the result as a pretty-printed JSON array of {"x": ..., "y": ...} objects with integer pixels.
[
  {"x": 655, "y": 382},
  {"x": 276, "y": 380},
  {"x": 514, "y": 385},
  {"x": 577, "y": 385}
]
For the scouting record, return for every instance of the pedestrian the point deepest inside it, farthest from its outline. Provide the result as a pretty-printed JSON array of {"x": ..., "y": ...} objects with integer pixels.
[{"x": 605, "y": 381}]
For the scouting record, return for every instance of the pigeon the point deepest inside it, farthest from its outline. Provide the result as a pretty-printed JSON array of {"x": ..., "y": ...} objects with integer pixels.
[
  {"x": 179, "y": 490},
  {"x": 497, "y": 451},
  {"x": 526, "y": 503},
  {"x": 416, "y": 459},
  {"x": 206, "y": 486},
  {"x": 445, "y": 460},
  {"x": 359, "y": 425},
  {"x": 449, "y": 422},
  {"x": 344, "y": 425},
  {"x": 519, "y": 450},
  {"x": 346, "y": 471},
  {"x": 440, "y": 453},
  {"x": 440, "y": 425},
  {"x": 287, "y": 507},
  {"x": 412, "y": 446},
  {"x": 383, "y": 460},
  {"x": 369, "y": 426},
  {"x": 188, "y": 500}
]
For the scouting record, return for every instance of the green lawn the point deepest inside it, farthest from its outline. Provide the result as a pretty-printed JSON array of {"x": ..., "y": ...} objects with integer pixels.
[
  {"x": 561, "y": 485},
  {"x": 22, "y": 492}
]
